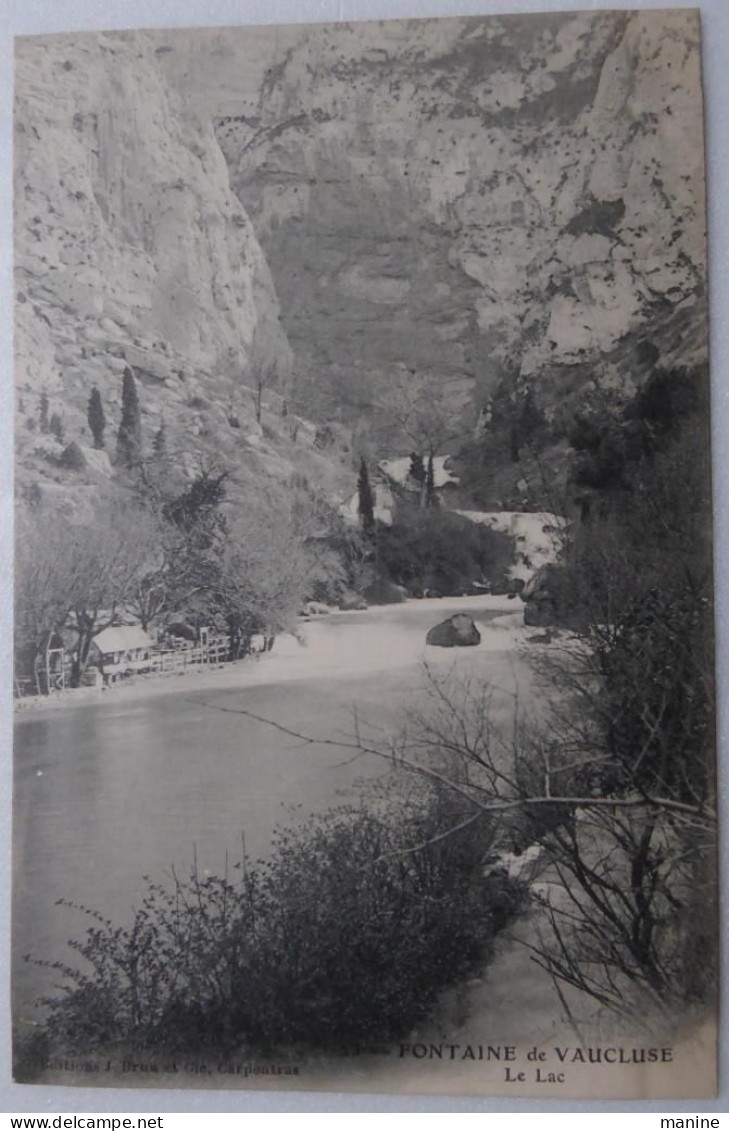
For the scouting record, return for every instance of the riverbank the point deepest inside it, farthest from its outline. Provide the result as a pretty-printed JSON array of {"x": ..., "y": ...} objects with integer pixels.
[{"x": 383, "y": 637}]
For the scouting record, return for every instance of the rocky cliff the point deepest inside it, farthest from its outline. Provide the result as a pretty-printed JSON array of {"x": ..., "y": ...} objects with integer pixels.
[
  {"x": 463, "y": 199},
  {"x": 474, "y": 195},
  {"x": 132, "y": 249}
]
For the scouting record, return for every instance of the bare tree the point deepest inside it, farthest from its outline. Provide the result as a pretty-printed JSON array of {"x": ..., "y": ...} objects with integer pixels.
[
  {"x": 627, "y": 866},
  {"x": 267, "y": 367},
  {"x": 269, "y": 565},
  {"x": 82, "y": 577},
  {"x": 418, "y": 408}
]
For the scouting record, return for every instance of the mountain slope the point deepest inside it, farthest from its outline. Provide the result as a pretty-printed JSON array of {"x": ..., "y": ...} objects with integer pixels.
[
  {"x": 131, "y": 249},
  {"x": 472, "y": 197}
]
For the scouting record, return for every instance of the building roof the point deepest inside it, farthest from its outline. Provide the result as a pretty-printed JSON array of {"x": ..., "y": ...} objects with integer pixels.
[{"x": 123, "y": 638}]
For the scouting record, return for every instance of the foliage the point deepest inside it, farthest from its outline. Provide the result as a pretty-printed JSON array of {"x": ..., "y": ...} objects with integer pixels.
[
  {"x": 340, "y": 940},
  {"x": 190, "y": 551},
  {"x": 159, "y": 444},
  {"x": 638, "y": 719},
  {"x": 96, "y": 418},
  {"x": 129, "y": 436},
  {"x": 431, "y": 499},
  {"x": 72, "y": 457},
  {"x": 55, "y": 427},
  {"x": 366, "y": 500},
  {"x": 515, "y": 419},
  {"x": 417, "y": 408},
  {"x": 198, "y": 504},
  {"x": 43, "y": 409},
  {"x": 382, "y": 591},
  {"x": 437, "y": 549},
  {"x": 610, "y": 444},
  {"x": 79, "y": 577},
  {"x": 416, "y": 471}
]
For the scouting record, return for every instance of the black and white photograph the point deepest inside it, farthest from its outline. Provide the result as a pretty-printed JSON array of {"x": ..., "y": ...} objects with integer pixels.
[{"x": 364, "y": 633}]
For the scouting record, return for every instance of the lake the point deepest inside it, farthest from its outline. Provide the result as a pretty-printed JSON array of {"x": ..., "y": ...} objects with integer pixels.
[{"x": 134, "y": 782}]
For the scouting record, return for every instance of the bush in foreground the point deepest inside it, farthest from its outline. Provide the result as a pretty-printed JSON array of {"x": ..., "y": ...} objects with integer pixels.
[{"x": 341, "y": 940}]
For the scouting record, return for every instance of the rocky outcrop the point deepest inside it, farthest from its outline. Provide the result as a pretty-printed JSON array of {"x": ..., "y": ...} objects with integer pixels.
[
  {"x": 465, "y": 199},
  {"x": 459, "y": 631},
  {"x": 132, "y": 249},
  {"x": 492, "y": 194}
]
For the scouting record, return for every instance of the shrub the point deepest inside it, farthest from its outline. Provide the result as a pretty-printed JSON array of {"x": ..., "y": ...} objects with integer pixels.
[
  {"x": 56, "y": 427},
  {"x": 383, "y": 592},
  {"x": 436, "y": 549},
  {"x": 340, "y": 940},
  {"x": 72, "y": 457}
]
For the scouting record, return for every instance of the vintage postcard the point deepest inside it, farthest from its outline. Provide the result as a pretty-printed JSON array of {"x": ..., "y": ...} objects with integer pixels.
[{"x": 364, "y": 625}]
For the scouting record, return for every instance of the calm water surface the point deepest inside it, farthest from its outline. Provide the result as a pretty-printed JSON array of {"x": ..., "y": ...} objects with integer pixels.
[{"x": 108, "y": 792}]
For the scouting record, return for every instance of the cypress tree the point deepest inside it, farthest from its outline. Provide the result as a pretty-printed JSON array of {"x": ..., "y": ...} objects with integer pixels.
[
  {"x": 417, "y": 468},
  {"x": 160, "y": 440},
  {"x": 96, "y": 418},
  {"x": 366, "y": 505},
  {"x": 43, "y": 413},
  {"x": 56, "y": 427},
  {"x": 129, "y": 437},
  {"x": 416, "y": 472},
  {"x": 430, "y": 495}
]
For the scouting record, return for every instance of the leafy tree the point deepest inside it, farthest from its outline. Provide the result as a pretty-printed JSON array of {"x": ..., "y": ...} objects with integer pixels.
[
  {"x": 366, "y": 504},
  {"x": 129, "y": 437},
  {"x": 96, "y": 418},
  {"x": 195, "y": 540},
  {"x": 197, "y": 506}
]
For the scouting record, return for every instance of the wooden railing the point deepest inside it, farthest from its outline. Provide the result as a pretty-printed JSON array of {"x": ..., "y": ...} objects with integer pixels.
[
  {"x": 166, "y": 660},
  {"x": 158, "y": 661}
]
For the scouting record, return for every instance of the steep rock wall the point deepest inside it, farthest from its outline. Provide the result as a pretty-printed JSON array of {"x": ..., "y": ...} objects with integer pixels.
[
  {"x": 131, "y": 247},
  {"x": 474, "y": 196}
]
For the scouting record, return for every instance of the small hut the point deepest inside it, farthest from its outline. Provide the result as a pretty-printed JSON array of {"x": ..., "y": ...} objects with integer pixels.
[{"x": 121, "y": 650}]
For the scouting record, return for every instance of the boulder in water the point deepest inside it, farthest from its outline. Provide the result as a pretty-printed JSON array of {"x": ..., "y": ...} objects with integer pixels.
[{"x": 458, "y": 631}]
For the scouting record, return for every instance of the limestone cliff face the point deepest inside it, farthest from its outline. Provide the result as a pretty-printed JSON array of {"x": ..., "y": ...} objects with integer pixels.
[
  {"x": 131, "y": 247},
  {"x": 473, "y": 194},
  {"x": 463, "y": 198}
]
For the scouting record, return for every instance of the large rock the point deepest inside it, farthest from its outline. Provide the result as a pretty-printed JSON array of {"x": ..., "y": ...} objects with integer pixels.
[
  {"x": 458, "y": 631},
  {"x": 97, "y": 461}
]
